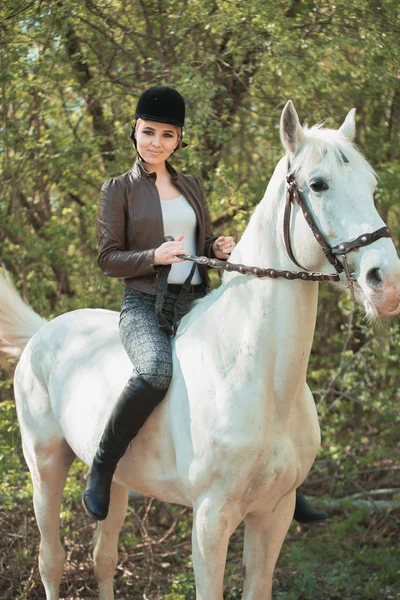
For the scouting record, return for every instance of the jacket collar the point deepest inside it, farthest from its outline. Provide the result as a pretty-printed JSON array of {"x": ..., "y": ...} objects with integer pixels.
[
  {"x": 138, "y": 169},
  {"x": 180, "y": 182}
]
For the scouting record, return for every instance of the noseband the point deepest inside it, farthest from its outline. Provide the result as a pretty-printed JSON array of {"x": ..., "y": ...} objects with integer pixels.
[{"x": 294, "y": 194}]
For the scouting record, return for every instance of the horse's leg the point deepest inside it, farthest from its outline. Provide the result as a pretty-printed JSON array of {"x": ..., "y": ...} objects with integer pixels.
[
  {"x": 106, "y": 541},
  {"x": 49, "y": 467},
  {"x": 214, "y": 522},
  {"x": 263, "y": 539}
]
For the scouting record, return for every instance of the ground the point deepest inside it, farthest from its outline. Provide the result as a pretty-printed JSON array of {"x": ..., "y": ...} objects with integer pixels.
[{"x": 354, "y": 556}]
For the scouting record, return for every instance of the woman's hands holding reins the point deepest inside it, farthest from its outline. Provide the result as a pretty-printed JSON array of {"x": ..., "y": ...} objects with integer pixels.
[
  {"x": 166, "y": 253},
  {"x": 223, "y": 246}
]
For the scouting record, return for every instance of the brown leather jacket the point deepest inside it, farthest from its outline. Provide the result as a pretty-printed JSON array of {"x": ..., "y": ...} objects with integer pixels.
[{"x": 130, "y": 226}]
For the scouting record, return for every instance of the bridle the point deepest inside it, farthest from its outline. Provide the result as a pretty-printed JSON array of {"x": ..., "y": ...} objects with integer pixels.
[{"x": 295, "y": 195}]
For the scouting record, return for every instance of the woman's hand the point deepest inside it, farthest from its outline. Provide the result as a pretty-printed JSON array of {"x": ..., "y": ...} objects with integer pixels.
[
  {"x": 223, "y": 246},
  {"x": 166, "y": 253}
]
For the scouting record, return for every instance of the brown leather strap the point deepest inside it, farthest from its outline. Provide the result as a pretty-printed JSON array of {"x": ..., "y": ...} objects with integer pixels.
[
  {"x": 295, "y": 195},
  {"x": 363, "y": 240},
  {"x": 215, "y": 263},
  {"x": 170, "y": 329},
  {"x": 161, "y": 290},
  {"x": 179, "y": 307},
  {"x": 287, "y": 221}
]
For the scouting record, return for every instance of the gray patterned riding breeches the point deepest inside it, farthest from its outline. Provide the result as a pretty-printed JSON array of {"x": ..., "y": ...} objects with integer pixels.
[{"x": 148, "y": 346}]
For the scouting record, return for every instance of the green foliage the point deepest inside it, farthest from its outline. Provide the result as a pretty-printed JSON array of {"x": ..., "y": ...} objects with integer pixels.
[
  {"x": 182, "y": 586},
  {"x": 70, "y": 76},
  {"x": 71, "y": 73},
  {"x": 15, "y": 481},
  {"x": 341, "y": 561}
]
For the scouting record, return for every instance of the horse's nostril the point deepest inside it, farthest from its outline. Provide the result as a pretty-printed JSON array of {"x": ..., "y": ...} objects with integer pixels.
[{"x": 374, "y": 278}]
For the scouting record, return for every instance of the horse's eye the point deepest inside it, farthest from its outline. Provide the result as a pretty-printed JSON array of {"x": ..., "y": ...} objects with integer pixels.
[{"x": 319, "y": 185}]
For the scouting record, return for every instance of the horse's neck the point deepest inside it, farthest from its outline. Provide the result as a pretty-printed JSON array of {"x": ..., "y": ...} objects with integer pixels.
[
  {"x": 262, "y": 242},
  {"x": 275, "y": 317}
]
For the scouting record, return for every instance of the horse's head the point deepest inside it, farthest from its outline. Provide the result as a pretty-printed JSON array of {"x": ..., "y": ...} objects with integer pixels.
[{"x": 338, "y": 185}]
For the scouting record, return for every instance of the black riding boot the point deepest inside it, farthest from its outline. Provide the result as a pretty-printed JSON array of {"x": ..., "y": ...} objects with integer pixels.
[
  {"x": 136, "y": 402},
  {"x": 305, "y": 513}
]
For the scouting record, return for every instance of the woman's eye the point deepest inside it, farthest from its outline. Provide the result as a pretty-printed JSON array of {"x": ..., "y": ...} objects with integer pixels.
[
  {"x": 147, "y": 132},
  {"x": 168, "y": 135},
  {"x": 319, "y": 185}
]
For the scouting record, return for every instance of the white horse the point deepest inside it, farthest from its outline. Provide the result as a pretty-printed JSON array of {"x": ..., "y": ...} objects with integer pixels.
[{"x": 237, "y": 432}]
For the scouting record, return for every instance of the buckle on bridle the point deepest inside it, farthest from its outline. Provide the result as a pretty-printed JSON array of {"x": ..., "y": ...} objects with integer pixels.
[{"x": 349, "y": 278}]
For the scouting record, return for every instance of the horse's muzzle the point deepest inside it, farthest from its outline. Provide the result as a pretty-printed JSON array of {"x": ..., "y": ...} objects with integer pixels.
[{"x": 382, "y": 298}]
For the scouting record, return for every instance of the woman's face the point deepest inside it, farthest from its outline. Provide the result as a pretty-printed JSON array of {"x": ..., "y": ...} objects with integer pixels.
[{"x": 155, "y": 142}]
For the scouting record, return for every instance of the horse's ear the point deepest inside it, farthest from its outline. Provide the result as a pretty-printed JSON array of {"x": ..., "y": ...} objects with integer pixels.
[
  {"x": 348, "y": 129},
  {"x": 292, "y": 134}
]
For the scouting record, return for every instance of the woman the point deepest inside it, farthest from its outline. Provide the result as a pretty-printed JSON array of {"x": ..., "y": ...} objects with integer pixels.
[{"x": 137, "y": 210}]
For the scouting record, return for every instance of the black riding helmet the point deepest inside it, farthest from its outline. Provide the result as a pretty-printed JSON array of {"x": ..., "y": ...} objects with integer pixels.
[{"x": 162, "y": 104}]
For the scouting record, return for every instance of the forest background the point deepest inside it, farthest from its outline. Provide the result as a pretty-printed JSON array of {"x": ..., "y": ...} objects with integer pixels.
[{"x": 71, "y": 73}]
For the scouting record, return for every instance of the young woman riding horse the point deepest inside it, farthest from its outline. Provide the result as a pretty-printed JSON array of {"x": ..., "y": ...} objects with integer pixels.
[{"x": 137, "y": 210}]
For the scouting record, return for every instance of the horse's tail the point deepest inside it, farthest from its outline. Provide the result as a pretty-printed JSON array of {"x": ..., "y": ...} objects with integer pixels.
[{"x": 18, "y": 321}]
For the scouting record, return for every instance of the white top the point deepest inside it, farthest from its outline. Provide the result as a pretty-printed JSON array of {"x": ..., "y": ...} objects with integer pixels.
[{"x": 179, "y": 217}]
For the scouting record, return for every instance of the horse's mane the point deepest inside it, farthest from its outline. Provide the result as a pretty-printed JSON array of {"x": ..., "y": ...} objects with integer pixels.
[{"x": 329, "y": 146}]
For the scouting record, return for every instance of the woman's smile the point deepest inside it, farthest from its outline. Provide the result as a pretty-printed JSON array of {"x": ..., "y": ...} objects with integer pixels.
[{"x": 156, "y": 141}]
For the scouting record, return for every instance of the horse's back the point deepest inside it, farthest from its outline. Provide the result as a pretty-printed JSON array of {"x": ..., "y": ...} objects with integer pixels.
[
  {"x": 72, "y": 369},
  {"x": 72, "y": 341}
]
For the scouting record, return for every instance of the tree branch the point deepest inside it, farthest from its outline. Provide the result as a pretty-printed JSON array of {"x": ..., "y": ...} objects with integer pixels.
[{"x": 94, "y": 106}]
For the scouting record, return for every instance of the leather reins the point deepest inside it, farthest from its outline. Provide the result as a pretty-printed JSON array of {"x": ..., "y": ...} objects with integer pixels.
[{"x": 294, "y": 194}]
